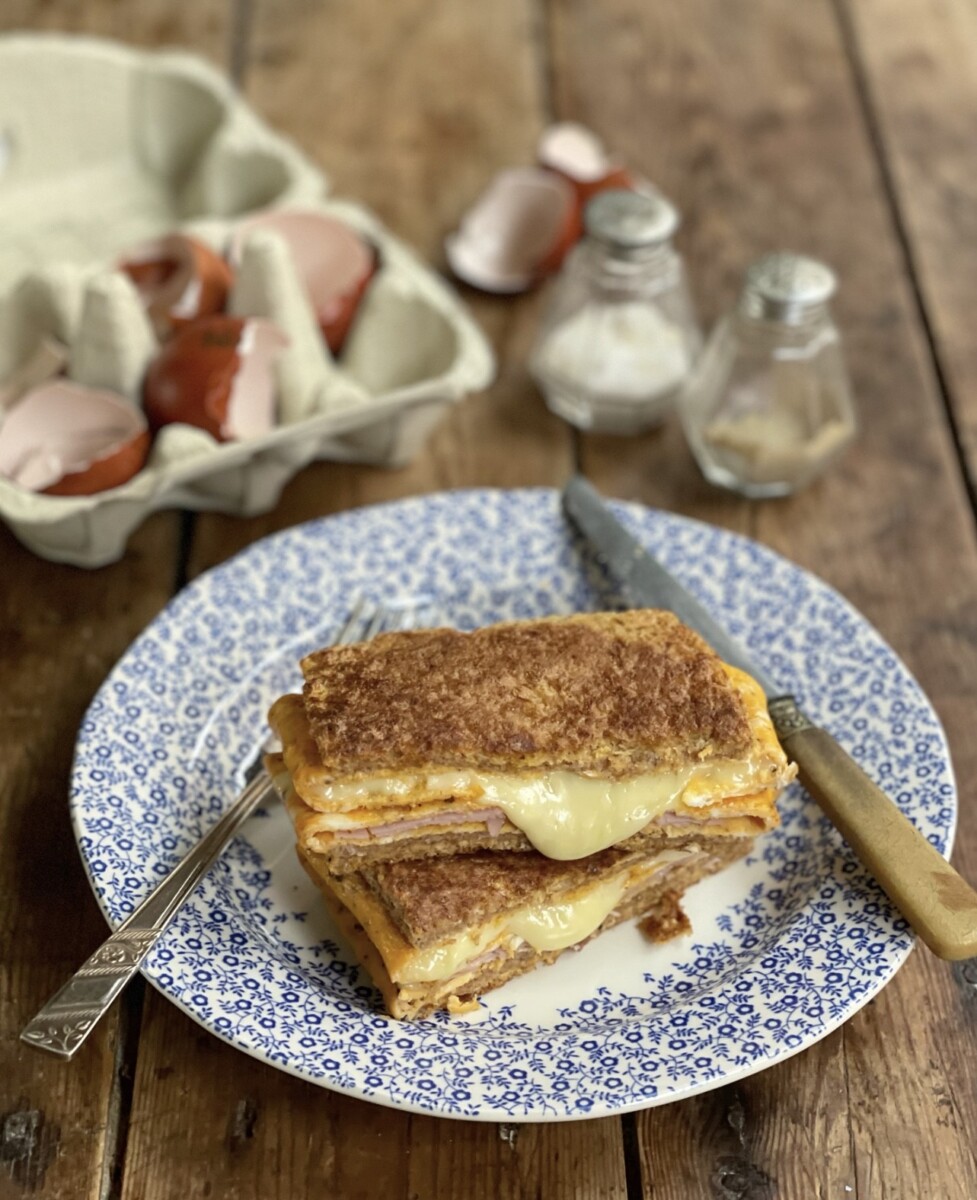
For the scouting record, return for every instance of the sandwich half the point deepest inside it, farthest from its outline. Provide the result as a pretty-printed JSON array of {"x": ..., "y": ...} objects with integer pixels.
[
  {"x": 566, "y": 735},
  {"x": 437, "y": 933}
]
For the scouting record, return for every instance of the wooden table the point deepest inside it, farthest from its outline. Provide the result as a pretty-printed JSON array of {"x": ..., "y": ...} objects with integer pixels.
[{"x": 844, "y": 128}]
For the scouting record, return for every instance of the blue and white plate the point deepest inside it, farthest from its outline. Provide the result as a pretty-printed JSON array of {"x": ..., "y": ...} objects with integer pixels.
[{"x": 786, "y": 945}]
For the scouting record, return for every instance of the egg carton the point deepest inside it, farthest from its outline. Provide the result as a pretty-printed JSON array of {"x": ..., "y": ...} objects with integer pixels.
[{"x": 103, "y": 147}]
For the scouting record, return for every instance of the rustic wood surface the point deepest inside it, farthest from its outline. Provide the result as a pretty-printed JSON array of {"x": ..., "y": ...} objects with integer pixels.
[{"x": 842, "y": 128}]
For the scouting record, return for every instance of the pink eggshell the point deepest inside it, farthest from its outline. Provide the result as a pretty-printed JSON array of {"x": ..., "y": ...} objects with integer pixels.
[
  {"x": 334, "y": 262},
  {"x": 216, "y": 374},
  {"x": 520, "y": 228},
  {"x": 578, "y": 155},
  {"x": 64, "y": 439}
]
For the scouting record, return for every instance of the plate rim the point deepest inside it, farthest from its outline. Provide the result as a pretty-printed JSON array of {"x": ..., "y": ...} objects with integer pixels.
[{"x": 640, "y": 513}]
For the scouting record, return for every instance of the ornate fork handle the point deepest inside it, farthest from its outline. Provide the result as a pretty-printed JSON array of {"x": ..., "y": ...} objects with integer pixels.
[{"x": 72, "y": 1012}]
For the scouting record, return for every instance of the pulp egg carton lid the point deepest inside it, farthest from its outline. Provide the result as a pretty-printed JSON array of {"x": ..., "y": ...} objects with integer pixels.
[{"x": 103, "y": 147}]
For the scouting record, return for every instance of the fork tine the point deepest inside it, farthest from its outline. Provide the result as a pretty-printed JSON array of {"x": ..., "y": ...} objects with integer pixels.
[
  {"x": 376, "y": 623},
  {"x": 366, "y": 620},
  {"x": 432, "y": 614},
  {"x": 352, "y": 630},
  {"x": 403, "y": 618}
]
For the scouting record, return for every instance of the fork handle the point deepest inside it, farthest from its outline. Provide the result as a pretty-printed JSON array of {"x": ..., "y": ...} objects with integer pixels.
[{"x": 73, "y": 1011}]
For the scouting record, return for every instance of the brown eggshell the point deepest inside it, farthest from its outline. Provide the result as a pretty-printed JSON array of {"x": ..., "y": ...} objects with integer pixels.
[
  {"x": 334, "y": 262},
  {"x": 336, "y": 316},
  {"x": 179, "y": 279},
  {"x": 64, "y": 439},
  {"x": 216, "y": 374},
  {"x": 519, "y": 229},
  {"x": 111, "y": 471}
]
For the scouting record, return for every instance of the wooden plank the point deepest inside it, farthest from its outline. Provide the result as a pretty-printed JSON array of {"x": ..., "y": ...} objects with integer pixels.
[
  {"x": 61, "y": 630},
  {"x": 916, "y": 61},
  {"x": 761, "y": 141},
  {"x": 202, "y": 27},
  {"x": 417, "y": 156},
  {"x": 352, "y": 85}
]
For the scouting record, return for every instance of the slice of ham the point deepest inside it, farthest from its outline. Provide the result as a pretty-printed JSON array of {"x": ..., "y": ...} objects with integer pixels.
[
  {"x": 480, "y": 961},
  {"x": 683, "y": 819},
  {"x": 492, "y": 818}
]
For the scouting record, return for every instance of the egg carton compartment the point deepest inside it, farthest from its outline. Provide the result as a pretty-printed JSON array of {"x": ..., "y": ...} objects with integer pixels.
[{"x": 102, "y": 147}]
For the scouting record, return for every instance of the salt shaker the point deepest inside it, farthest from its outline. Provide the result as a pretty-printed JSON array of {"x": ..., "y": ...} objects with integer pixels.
[
  {"x": 620, "y": 335},
  {"x": 768, "y": 406}
]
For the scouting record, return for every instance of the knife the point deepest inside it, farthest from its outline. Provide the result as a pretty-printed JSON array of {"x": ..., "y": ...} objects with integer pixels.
[{"x": 939, "y": 905}]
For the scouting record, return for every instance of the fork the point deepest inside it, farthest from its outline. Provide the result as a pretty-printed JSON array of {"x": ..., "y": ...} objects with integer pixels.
[{"x": 74, "y": 1010}]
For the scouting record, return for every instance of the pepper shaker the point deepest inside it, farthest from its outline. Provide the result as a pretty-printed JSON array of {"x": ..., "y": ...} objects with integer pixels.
[
  {"x": 768, "y": 406},
  {"x": 620, "y": 335}
]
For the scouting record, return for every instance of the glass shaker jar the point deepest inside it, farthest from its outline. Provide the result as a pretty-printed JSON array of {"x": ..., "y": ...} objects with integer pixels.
[
  {"x": 768, "y": 406},
  {"x": 620, "y": 335}
]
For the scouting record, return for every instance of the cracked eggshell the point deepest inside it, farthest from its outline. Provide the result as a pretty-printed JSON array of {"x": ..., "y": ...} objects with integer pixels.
[
  {"x": 217, "y": 374},
  {"x": 334, "y": 262},
  {"x": 179, "y": 279},
  {"x": 518, "y": 230},
  {"x": 65, "y": 439},
  {"x": 578, "y": 155}
]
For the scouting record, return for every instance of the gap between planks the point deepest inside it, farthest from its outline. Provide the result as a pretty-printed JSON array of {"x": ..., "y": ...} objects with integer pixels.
[{"x": 863, "y": 93}]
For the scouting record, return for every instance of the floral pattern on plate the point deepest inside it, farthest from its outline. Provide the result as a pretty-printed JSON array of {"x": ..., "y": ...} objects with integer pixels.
[{"x": 786, "y": 945}]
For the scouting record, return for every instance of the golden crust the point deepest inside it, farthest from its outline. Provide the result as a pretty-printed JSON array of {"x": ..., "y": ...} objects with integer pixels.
[
  {"x": 432, "y": 899},
  {"x": 380, "y": 947},
  {"x": 611, "y": 694}
]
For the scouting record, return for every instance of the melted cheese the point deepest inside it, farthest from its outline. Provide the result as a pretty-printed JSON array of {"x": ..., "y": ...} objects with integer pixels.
[
  {"x": 565, "y": 815},
  {"x": 568, "y": 816},
  {"x": 544, "y": 926}
]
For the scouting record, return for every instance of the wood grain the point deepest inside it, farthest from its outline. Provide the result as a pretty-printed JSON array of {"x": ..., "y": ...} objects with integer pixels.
[
  {"x": 766, "y": 126},
  {"x": 916, "y": 65},
  {"x": 203, "y": 26},
  {"x": 61, "y": 630},
  {"x": 352, "y": 85},
  {"x": 765, "y": 145}
]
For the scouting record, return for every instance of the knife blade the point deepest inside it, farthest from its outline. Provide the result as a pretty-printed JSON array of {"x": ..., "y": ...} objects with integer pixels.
[
  {"x": 937, "y": 902},
  {"x": 644, "y": 582}
]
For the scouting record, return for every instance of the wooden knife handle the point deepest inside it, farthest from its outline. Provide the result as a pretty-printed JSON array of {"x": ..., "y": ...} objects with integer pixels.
[{"x": 934, "y": 899}]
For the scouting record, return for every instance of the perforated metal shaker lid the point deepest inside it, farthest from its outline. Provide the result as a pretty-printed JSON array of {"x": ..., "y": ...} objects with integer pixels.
[
  {"x": 630, "y": 222},
  {"x": 787, "y": 287}
]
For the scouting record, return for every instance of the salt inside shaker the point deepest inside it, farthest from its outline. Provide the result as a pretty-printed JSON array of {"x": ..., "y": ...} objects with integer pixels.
[
  {"x": 620, "y": 336},
  {"x": 769, "y": 406}
]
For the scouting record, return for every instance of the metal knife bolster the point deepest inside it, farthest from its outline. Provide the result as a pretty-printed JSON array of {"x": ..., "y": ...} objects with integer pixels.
[
  {"x": 787, "y": 717},
  {"x": 933, "y": 898}
]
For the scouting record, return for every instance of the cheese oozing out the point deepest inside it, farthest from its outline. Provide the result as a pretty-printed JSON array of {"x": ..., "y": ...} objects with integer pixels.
[
  {"x": 566, "y": 815},
  {"x": 553, "y": 926}
]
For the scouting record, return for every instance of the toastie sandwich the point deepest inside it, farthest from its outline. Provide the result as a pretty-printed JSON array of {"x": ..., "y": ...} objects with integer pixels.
[
  {"x": 437, "y": 933},
  {"x": 566, "y": 735}
]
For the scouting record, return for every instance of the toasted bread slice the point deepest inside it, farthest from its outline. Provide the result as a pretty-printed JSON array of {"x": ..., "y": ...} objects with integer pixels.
[
  {"x": 566, "y": 734},
  {"x": 439, "y": 933},
  {"x": 607, "y": 694}
]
